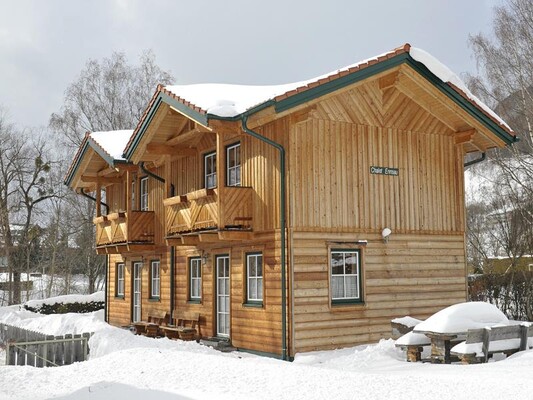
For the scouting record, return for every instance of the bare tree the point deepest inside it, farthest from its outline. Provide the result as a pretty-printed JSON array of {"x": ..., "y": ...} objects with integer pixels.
[{"x": 108, "y": 95}]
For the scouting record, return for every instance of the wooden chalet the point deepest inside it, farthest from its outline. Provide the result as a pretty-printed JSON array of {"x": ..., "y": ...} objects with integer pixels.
[{"x": 292, "y": 218}]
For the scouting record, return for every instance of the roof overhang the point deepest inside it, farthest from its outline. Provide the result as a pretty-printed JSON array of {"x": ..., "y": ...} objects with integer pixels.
[
  {"x": 86, "y": 152},
  {"x": 286, "y": 103}
]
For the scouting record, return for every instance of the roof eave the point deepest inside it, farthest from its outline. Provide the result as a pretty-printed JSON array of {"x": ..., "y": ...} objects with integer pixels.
[{"x": 161, "y": 97}]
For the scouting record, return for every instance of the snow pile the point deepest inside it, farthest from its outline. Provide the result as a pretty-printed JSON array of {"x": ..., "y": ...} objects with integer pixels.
[
  {"x": 68, "y": 298},
  {"x": 407, "y": 321},
  {"x": 461, "y": 317},
  {"x": 413, "y": 339},
  {"x": 123, "y": 365},
  {"x": 112, "y": 142}
]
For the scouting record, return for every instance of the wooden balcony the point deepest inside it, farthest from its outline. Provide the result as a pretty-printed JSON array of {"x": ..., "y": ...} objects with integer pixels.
[
  {"x": 120, "y": 233},
  {"x": 205, "y": 211}
]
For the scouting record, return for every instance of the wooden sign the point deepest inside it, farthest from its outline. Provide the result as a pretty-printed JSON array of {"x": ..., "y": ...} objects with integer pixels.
[{"x": 384, "y": 171}]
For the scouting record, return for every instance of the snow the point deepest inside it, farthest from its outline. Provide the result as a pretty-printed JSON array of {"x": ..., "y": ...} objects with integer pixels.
[
  {"x": 461, "y": 317},
  {"x": 407, "y": 321},
  {"x": 494, "y": 346},
  {"x": 112, "y": 142},
  {"x": 68, "y": 298},
  {"x": 413, "y": 338},
  {"x": 123, "y": 365}
]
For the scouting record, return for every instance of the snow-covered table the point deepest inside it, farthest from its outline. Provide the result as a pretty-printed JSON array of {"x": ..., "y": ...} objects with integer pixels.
[{"x": 450, "y": 326}]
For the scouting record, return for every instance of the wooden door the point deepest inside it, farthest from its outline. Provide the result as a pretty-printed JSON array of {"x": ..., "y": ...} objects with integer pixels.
[
  {"x": 223, "y": 300},
  {"x": 136, "y": 298}
]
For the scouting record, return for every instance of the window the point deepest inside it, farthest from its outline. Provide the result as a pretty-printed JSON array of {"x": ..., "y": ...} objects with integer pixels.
[
  {"x": 119, "y": 289},
  {"x": 233, "y": 160},
  {"x": 195, "y": 279},
  {"x": 133, "y": 195},
  {"x": 210, "y": 168},
  {"x": 155, "y": 279},
  {"x": 345, "y": 276},
  {"x": 143, "y": 195},
  {"x": 254, "y": 278}
]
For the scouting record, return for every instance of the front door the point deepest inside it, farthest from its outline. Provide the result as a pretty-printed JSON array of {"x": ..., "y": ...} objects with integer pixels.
[
  {"x": 136, "y": 299},
  {"x": 223, "y": 296}
]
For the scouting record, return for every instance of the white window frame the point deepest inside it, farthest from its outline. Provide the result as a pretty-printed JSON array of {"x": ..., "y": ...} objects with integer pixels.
[
  {"x": 210, "y": 178},
  {"x": 345, "y": 298},
  {"x": 233, "y": 172},
  {"x": 143, "y": 194},
  {"x": 195, "y": 279},
  {"x": 120, "y": 279},
  {"x": 155, "y": 279},
  {"x": 254, "y": 280}
]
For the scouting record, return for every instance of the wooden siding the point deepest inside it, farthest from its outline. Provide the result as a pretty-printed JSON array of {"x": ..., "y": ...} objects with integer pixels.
[
  {"x": 332, "y": 187},
  {"x": 120, "y": 309},
  {"x": 414, "y": 275},
  {"x": 252, "y": 328}
]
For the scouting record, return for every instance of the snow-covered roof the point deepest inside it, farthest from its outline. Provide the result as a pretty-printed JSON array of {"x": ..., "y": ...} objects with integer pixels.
[
  {"x": 108, "y": 144},
  {"x": 112, "y": 142},
  {"x": 226, "y": 100}
]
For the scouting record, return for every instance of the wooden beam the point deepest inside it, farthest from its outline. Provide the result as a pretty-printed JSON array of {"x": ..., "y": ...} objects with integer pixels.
[
  {"x": 101, "y": 180},
  {"x": 183, "y": 137},
  {"x": 164, "y": 149},
  {"x": 225, "y": 127},
  {"x": 190, "y": 240},
  {"x": 403, "y": 86},
  {"x": 304, "y": 114},
  {"x": 388, "y": 80},
  {"x": 235, "y": 235},
  {"x": 464, "y": 136},
  {"x": 98, "y": 199},
  {"x": 211, "y": 237}
]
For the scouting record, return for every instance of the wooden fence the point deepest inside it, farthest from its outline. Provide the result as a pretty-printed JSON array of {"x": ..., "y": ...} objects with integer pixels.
[{"x": 25, "y": 347}]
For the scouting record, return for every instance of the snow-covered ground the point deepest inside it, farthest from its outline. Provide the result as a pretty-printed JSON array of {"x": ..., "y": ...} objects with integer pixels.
[{"x": 122, "y": 365}]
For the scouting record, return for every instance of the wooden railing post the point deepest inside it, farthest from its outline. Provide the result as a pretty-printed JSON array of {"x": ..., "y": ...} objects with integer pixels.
[
  {"x": 486, "y": 343},
  {"x": 524, "y": 330}
]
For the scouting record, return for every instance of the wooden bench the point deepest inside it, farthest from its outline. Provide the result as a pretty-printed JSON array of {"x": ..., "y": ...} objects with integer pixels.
[
  {"x": 185, "y": 327},
  {"x": 482, "y": 343},
  {"x": 151, "y": 327}
]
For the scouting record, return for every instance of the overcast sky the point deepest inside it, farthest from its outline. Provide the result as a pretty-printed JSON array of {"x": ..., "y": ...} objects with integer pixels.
[{"x": 45, "y": 44}]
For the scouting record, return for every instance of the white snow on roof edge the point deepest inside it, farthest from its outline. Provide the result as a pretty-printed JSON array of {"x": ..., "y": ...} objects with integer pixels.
[
  {"x": 442, "y": 72},
  {"x": 112, "y": 142},
  {"x": 229, "y": 100}
]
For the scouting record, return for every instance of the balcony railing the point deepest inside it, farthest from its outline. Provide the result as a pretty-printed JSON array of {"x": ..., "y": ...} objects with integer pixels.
[
  {"x": 121, "y": 228},
  {"x": 205, "y": 210}
]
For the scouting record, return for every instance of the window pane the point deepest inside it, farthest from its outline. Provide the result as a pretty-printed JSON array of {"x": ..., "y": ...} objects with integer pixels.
[
  {"x": 252, "y": 289},
  {"x": 337, "y": 287},
  {"x": 252, "y": 270},
  {"x": 337, "y": 263},
  {"x": 259, "y": 265},
  {"x": 351, "y": 287},
  {"x": 259, "y": 288}
]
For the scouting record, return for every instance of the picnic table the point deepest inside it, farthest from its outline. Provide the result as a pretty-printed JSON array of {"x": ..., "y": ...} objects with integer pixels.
[
  {"x": 441, "y": 344},
  {"x": 450, "y": 326}
]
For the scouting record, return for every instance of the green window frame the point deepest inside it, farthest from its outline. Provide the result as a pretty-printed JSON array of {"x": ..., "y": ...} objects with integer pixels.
[
  {"x": 155, "y": 279},
  {"x": 254, "y": 278},
  {"x": 345, "y": 276},
  {"x": 195, "y": 279},
  {"x": 119, "y": 280}
]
